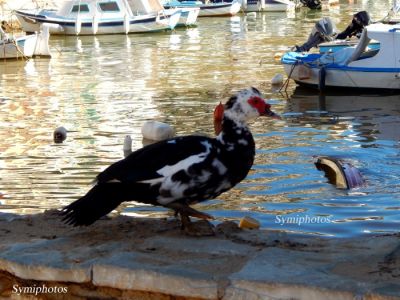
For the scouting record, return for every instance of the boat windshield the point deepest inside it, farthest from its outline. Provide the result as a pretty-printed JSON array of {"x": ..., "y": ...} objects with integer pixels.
[
  {"x": 79, "y": 8},
  {"x": 360, "y": 48},
  {"x": 109, "y": 6}
]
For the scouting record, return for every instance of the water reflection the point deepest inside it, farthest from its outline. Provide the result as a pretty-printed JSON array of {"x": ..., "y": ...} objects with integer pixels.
[
  {"x": 373, "y": 117},
  {"x": 358, "y": 129},
  {"x": 102, "y": 88}
]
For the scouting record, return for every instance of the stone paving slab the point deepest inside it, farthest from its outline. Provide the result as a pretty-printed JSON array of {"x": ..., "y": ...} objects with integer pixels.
[
  {"x": 171, "y": 281},
  {"x": 287, "y": 274},
  {"x": 37, "y": 260},
  {"x": 128, "y": 255}
]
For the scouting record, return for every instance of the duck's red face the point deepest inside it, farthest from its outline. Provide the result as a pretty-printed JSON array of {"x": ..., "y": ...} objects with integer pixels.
[{"x": 245, "y": 105}]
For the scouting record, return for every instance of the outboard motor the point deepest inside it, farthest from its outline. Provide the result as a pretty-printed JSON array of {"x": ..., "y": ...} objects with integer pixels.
[
  {"x": 313, "y": 4},
  {"x": 323, "y": 31},
  {"x": 360, "y": 20}
]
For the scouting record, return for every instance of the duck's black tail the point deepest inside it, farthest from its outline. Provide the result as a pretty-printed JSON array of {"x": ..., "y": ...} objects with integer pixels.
[{"x": 99, "y": 201}]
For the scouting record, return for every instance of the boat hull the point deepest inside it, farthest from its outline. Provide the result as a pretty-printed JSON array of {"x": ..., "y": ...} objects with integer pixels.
[
  {"x": 25, "y": 46},
  {"x": 31, "y": 22},
  {"x": 269, "y": 5},
  {"x": 210, "y": 9},
  {"x": 356, "y": 78},
  {"x": 227, "y": 9}
]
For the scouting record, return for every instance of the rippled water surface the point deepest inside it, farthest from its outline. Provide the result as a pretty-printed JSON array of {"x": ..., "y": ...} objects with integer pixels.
[{"x": 103, "y": 88}]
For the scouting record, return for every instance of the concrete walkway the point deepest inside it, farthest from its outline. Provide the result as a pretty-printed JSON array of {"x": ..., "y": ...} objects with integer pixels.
[{"x": 131, "y": 258}]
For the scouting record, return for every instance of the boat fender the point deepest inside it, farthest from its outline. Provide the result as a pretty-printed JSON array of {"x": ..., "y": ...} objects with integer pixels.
[
  {"x": 42, "y": 44},
  {"x": 127, "y": 24},
  {"x": 53, "y": 28},
  {"x": 95, "y": 24},
  {"x": 127, "y": 145},
  {"x": 157, "y": 131},
  {"x": 260, "y": 5},
  {"x": 59, "y": 135},
  {"x": 277, "y": 79},
  {"x": 340, "y": 173},
  {"x": 321, "y": 79}
]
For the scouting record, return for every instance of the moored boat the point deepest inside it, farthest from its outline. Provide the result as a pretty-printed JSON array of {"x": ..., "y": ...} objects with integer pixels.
[
  {"x": 269, "y": 5},
  {"x": 90, "y": 17},
  {"x": 209, "y": 9},
  {"x": 351, "y": 67},
  {"x": 24, "y": 46}
]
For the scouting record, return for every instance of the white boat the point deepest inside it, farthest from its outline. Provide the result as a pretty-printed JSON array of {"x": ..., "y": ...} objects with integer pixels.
[
  {"x": 188, "y": 14},
  {"x": 209, "y": 9},
  {"x": 90, "y": 17},
  {"x": 269, "y": 5},
  {"x": 24, "y": 46},
  {"x": 351, "y": 67}
]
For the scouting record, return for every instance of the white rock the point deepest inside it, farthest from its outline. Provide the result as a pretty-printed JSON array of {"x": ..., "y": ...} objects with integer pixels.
[{"x": 157, "y": 131}]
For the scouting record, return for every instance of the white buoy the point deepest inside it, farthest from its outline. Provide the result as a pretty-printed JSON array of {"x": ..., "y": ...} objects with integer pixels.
[
  {"x": 157, "y": 131},
  {"x": 59, "y": 135},
  {"x": 277, "y": 79},
  {"x": 127, "y": 145}
]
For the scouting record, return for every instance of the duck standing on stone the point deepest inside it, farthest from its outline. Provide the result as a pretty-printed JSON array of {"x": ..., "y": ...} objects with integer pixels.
[{"x": 178, "y": 172}]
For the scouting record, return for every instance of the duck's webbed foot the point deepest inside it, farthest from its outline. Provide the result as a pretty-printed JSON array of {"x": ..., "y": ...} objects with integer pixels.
[{"x": 199, "y": 228}]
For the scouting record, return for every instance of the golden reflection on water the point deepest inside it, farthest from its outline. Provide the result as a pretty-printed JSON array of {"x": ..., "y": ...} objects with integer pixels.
[{"x": 103, "y": 88}]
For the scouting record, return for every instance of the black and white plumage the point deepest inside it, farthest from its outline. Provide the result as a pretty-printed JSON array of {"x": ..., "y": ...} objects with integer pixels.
[{"x": 178, "y": 172}]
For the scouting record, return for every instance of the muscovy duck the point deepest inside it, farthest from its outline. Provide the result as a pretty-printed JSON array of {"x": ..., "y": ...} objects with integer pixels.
[{"x": 178, "y": 172}]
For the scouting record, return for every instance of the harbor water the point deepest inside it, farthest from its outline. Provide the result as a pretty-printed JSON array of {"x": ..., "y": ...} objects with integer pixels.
[{"x": 103, "y": 88}]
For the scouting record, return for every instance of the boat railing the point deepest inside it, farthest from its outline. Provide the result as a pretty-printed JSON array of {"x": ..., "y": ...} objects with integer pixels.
[{"x": 360, "y": 48}]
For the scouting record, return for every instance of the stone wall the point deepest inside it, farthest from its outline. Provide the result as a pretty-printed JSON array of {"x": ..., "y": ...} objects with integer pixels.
[
  {"x": 9, "y": 285},
  {"x": 121, "y": 257}
]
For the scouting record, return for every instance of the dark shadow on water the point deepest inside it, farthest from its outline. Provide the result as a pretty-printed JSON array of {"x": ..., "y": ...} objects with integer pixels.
[{"x": 375, "y": 116}]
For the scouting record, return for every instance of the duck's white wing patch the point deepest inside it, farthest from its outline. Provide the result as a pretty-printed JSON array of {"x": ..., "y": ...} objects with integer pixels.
[
  {"x": 184, "y": 164},
  {"x": 175, "y": 188},
  {"x": 219, "y": 166},
  {"x": 153, "y": 181}
]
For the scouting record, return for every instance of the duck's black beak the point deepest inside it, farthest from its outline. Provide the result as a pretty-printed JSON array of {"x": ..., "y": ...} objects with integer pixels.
[{"x": 273, "y": 115}]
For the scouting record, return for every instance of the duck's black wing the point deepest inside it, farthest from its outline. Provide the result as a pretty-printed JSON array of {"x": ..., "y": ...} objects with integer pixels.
[{"x": 158, "y": 174}]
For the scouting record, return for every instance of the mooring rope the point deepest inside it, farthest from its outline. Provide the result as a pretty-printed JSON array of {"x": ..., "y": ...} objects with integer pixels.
[{"x": 286, "y": 83}]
